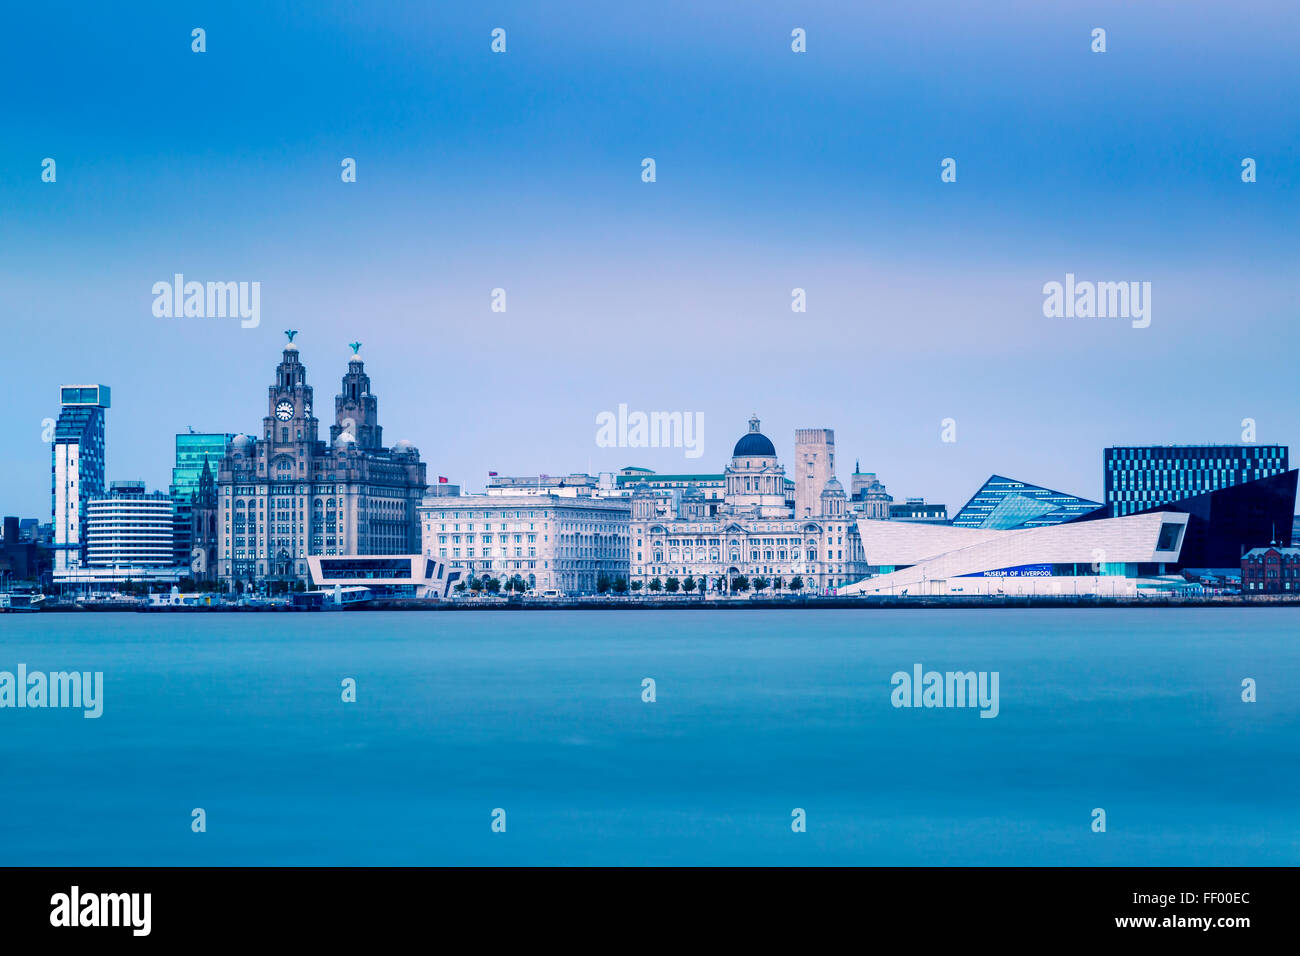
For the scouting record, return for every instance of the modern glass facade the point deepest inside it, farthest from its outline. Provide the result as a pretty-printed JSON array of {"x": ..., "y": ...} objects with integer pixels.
[
  {"x": 76, "y": 468},
  {"x": 1003, "y": 503},
  {"x": 192, "y": 450},
  {"x": 1140, "y": 477}
]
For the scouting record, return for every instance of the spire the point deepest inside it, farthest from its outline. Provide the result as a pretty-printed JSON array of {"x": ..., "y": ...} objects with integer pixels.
[{"x": 207, "y": 492}]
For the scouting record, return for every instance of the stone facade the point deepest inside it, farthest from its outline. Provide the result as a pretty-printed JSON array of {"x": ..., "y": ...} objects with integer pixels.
[
  {"x": 287, "y": 494},
  {"x": 755, "y": 533},
  {"x": 814, "y": 457},
  {"x": 551, "y": 541},
  {"x": 867, "y": 495},
  {"x": 203, "y": 535}
]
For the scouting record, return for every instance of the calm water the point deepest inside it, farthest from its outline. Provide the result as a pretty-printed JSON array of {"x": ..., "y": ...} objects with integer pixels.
[{"x": 1138, "y": 712}]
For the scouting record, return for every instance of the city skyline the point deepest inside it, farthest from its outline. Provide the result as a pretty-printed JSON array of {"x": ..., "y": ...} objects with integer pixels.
[
  {"x": 776, "y": 171},
  {"x": 673, "y": 460},
  {"x": 593, "y": 435}
]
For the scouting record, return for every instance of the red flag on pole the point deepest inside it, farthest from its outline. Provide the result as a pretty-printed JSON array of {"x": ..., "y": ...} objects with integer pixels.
[{"x": 442, "y": 480}]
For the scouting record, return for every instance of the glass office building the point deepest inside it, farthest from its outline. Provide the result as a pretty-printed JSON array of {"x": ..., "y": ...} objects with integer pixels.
[
  {"x": 192, "y": 450},
  {"x": 1145, "y": 476},
  {"x": 1004, "y": 503},
  {"x": 76, "y": 468}
]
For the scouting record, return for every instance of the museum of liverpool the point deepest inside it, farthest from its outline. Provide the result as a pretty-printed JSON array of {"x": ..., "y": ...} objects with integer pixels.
[
  {"x": 1113, "y": 557},
  {"x": 1168, "y": 514}
]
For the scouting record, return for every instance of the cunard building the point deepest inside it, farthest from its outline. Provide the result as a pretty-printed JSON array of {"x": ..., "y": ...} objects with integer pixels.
[
  {"x": 287, "y": 493},
  {"x": 756, "y": 532}
]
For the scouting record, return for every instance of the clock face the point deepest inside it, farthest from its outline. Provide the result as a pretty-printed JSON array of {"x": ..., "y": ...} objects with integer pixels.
[{"x": 284, "y": 411}]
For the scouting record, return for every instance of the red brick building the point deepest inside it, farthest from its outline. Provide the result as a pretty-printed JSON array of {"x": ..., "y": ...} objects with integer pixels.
[{"x": 1271, "y": 570}]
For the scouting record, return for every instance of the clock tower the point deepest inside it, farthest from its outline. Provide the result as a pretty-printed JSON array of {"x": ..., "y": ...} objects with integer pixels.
[
  {"x": 286, "y": 495},
  {"x": 289, "y": 418}
]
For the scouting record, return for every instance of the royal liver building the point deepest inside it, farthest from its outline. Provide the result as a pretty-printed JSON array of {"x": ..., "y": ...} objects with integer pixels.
[{"x": 287, "y": 494}]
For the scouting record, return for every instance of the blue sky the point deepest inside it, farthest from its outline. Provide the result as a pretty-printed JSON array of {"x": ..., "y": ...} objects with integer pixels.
[{"x": 775, "y": 170}]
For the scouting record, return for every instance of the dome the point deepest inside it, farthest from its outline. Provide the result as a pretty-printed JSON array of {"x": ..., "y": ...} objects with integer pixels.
[
  {"x": 344, "y": 440},
  {"x": 404, "y": 447},
  {"x": 755, "y": 444},
  {"x": 833, "y": 487},
  {"x": 240, "y": 442}
]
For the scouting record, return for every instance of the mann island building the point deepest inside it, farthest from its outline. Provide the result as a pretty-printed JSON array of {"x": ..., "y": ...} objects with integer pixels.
[{"x": 1169, "y": 510}]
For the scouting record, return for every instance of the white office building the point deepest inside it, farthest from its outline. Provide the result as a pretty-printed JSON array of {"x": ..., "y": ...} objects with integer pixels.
[
  {"x": 129, "y": 527},
  {"x": 550, "y": 541},
  {"x": 129, "y": 536}
]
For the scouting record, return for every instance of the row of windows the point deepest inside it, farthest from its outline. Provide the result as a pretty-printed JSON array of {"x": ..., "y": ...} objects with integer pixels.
[
  {"x": 1203, "y": 464},
  {"x": 300, "y": 489},
  {"x": 504, "y": 565},
  {"x": 1148, "y": 478},
  {"x": 532, "y": 526},
  {"x": 658, "y": 570},
  {"x": 753, "y": 555},
  {"x": 1197, "y": 453},
  {"x": 613, "y": 515},
  {"x": 487, "y": 526},
  {"x": 786, "y": 527}
]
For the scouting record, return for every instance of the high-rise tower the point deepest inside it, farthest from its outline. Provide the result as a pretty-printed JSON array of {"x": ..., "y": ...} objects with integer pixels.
[
  {"x": 77, "y": 472},
  {"x": 814, "y": 465}
]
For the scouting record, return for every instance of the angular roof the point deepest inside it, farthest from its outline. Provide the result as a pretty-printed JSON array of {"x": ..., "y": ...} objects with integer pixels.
[{"x": 1004, "y": 503}]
